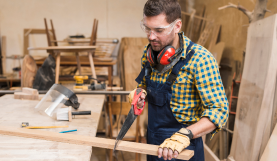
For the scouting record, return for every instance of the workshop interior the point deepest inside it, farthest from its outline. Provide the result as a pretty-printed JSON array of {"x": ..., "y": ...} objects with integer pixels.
[{"x": 138, "y": 80}]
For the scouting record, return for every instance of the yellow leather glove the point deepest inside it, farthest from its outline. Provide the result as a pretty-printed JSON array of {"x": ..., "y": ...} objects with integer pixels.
[
  {"x": 178, "y": 141},
  {"x": 132, "y": 93}
]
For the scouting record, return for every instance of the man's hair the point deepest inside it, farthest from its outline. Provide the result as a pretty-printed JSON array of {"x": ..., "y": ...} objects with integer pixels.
[{"x": 171, "y": 8}]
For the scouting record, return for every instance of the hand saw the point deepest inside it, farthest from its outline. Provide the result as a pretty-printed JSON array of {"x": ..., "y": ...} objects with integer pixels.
[{"x": 131, "y": 117}]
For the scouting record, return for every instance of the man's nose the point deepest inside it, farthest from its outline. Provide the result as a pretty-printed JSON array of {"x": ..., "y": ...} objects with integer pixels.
[{"x": 152, "y": 36}]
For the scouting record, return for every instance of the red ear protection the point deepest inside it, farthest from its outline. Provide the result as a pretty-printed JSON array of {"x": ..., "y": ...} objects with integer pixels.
[
  {"x": 165, "y": 55},
  {"x": 150, "y": 56}
]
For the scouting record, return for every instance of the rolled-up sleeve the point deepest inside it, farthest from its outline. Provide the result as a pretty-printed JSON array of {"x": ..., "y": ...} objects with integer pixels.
[{"x": 211, "y": 91}]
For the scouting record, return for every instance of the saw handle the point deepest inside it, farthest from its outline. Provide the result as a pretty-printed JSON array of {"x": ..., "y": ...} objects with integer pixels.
[{"x": 137, "y": 94}]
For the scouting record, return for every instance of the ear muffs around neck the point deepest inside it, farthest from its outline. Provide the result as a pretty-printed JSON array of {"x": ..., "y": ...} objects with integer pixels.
[{"x": 165, "y": 55}]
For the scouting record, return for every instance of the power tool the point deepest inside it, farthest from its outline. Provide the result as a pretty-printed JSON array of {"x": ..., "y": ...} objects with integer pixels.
[{"x": 81, "y": 86}]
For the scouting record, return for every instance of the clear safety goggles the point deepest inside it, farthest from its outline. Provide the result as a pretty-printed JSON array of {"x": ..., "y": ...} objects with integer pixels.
[{"x": 158, "y": 31}]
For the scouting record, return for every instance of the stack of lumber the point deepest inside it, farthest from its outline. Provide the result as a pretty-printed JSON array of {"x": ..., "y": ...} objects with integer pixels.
[
  {"x": 203, "y": 31},
  {"x": 257, "y": 108}
]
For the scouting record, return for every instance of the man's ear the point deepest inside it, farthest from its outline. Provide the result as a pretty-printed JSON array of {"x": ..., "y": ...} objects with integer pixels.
[{"x": 178, "y": 26}]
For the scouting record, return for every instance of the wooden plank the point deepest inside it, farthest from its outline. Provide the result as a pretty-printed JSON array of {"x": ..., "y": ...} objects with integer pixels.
[
  {"x": 88, "y": 141},
  {"x": 92, "y": 66},
  {"x": 63, "y": 48},
  {"x": 198, "y": 17},
  {"x": 57, "y": 70},
  {"x": 26, "y": 96},
  {"x": 256, "y": 90},
  {"x": 205, "y": 34},
  {"x": 190, "y": 24},
  {"x": 4, "y": 53},
  {"x": 209, "y": 155},
  {"x": 116, "y": 106},
  {"x": 214, "y": 36},
  {"x": 270, "y": 150},
  {"x": 269, "y": 121},
  {"x": 132, "y": 65},
  {"x": 139, "y": 44},
  {"x": 28, "y": 71},
  {"x": 26, "y": 33},
  {"x": 29, "y": 90},
  {"x": 217, "y": 51}
]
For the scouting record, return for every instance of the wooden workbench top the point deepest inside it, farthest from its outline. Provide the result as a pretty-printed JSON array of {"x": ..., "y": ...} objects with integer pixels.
[{"x": 15, "y": 111}]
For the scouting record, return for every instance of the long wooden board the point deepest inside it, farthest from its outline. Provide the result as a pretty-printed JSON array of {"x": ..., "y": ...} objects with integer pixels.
[
  {"x": 209, "y": 154},
  {"x": 270, "y": 150},
  {"x": 88, "y": 141},
  {"x": 256, "y": 90}
]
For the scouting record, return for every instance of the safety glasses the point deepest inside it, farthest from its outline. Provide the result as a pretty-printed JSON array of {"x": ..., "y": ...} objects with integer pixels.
[{"x": 158, "y": 31}]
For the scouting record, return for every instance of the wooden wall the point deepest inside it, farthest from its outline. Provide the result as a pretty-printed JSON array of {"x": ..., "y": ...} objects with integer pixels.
[{"x": 234, "y": 25}]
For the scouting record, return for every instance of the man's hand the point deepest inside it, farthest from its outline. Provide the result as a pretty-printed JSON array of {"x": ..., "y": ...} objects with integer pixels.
[
  {"x": 176, "y": 143},
  {"x": 141, "y": 100}
]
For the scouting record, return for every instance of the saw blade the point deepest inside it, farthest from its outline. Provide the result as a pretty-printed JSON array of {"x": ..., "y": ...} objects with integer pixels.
[{"x": 131, "y": 117}]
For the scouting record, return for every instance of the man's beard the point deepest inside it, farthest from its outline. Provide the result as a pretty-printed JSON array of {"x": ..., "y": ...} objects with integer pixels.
[{"x": 160, "y": 44}]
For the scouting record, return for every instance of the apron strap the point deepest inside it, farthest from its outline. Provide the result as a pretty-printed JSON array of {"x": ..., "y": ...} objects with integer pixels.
[
  {"x": 174, "y": 73},
  {"x": 146, "y": 71}
]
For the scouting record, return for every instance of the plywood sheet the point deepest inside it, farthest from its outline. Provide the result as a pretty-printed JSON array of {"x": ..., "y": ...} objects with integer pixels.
[
  {"x": 139, "y": 43},
  {"x": 132, "y": 65}
]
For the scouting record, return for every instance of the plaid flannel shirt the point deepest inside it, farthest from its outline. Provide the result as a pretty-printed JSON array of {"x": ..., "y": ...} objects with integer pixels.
[{"x": 198, "y": 90}]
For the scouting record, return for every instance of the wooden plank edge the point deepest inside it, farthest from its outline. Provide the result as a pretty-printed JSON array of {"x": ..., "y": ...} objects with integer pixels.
[
  {"x": 209, "y": 155},
  {"x": 88, "y": 141}
]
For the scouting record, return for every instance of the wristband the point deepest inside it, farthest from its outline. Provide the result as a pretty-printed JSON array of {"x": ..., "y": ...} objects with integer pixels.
[{"x": 186, "y": 132}]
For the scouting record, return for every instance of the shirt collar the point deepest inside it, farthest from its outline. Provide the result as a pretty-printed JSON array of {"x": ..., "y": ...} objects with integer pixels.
[{"x": 186, "y": 42}]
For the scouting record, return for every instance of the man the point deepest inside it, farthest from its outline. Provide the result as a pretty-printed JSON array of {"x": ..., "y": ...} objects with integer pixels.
[{"x": 186, "y": 98}]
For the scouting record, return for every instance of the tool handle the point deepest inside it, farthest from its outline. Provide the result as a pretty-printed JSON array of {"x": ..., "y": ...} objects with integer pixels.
[
  {"x": 137, "y": 111},
  {"x": 81, "y": 113}
]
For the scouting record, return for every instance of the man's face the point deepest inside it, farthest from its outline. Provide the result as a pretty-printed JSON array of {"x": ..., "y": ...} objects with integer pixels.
[{"x": 154, "y": 22}]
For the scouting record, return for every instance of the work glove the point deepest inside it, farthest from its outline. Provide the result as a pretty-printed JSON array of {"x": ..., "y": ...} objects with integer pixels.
[
  {"x": 132, "y": 93},
  {"x": 178, "y": 141}
]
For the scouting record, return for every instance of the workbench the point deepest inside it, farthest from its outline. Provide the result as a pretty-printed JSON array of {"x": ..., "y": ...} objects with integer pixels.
[{"x": 15, "y": 111}]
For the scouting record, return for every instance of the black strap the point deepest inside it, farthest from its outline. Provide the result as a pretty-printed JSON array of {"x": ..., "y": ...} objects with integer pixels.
[
  {"x": 146, "y": 71},
  {"x": 174, "y": 73}
]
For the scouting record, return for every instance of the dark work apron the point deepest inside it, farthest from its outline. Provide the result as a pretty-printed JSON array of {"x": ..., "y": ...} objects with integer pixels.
[{"x": 162, "y": 124}]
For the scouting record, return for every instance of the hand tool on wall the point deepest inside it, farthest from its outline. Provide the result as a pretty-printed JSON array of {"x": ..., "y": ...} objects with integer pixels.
[
  {"x": 26, "y": 126},
  {"x": 131, "y": 117},
  {"x": 66, "y": 114},
  {"x": 81, "y": 86}
]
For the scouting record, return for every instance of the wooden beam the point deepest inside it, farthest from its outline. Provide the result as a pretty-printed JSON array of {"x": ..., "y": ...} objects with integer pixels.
[
  {"x": 256, "y": 92},
  {"x": 4, "y": 52},
  {"x": 209, "y": 155},
  {"x": 198, "y": 17},
  {"x": 89, "y": 141},
  {"x": 270, "y": 150}
]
